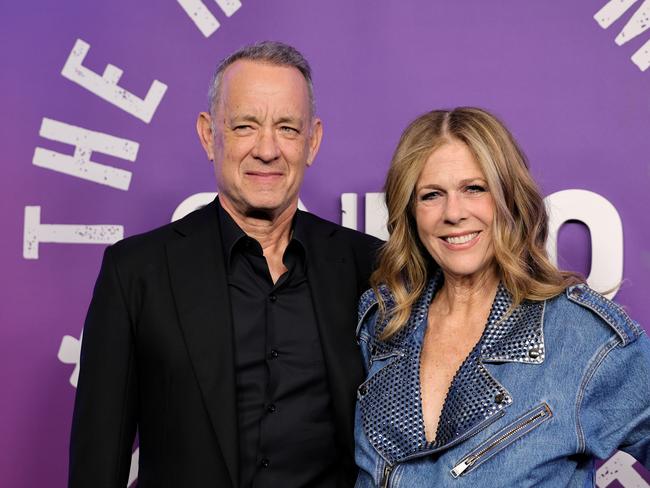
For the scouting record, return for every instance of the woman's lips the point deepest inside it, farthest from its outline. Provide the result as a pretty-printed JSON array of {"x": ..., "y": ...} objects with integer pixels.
[{"x": 460, "y": 241}]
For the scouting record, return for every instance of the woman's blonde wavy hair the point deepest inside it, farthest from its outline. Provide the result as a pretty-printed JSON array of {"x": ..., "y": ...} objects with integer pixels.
[{"x": 520, "y": 225}]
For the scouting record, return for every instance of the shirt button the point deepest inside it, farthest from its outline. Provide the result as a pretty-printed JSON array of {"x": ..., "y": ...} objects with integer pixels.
[
  {"x": 363, "y": 389},
  {"x": 273, "y": 298},
  {"x": 265, "y": 463},
  {"x": 270, "y": 408},
  {"x": 499, "y": 398},
  {"x": 273, "y": 354}
]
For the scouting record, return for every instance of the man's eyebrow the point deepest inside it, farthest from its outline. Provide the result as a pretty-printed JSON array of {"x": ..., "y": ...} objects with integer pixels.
[
  {"x": 288, "y": 119},
  {"x": 285, "y": 119}
]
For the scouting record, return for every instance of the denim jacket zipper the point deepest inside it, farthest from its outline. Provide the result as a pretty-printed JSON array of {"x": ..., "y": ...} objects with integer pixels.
[
  {"x": 390, "y": 468},
  {"x": 470, "y": 460},
  {"x": 385, "y": 479}
]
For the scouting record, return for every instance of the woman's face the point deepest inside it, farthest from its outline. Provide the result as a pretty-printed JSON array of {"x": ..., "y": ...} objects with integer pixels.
[{"x": 454, "y": 211}]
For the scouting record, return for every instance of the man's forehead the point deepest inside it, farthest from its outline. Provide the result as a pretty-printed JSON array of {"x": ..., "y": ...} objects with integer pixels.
[
  {"x": 257, "y": 72},
  {"x": 251, "y": 87}
]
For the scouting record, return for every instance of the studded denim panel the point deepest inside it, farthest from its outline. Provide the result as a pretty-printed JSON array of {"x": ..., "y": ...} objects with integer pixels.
[
  {"x": 612, "y": 313},
  {"x": 473, "y": 397},
  {"x": 390, "y": 401},
  {"x": 518, "y": 338},
  {"x": 393, "y": 425}
]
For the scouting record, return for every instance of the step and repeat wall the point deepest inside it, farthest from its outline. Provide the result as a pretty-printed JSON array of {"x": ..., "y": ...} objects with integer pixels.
[{"x": 99, "y": 102}]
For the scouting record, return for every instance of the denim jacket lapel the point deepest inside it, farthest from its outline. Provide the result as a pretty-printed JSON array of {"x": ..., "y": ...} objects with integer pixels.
[{"x": 517, "y": 337}]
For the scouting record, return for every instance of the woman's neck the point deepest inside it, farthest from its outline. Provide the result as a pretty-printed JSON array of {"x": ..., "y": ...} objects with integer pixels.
[{"x": 465, "y": 296}]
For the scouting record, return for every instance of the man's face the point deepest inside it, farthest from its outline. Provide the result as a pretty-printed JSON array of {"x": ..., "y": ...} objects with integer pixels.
[{"x": 262, "y": 137}]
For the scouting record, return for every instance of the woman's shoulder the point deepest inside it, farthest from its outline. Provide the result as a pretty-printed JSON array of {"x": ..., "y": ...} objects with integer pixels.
[
  {"x": 591, "y": 315},
  {"x": 369, "y": 305}
]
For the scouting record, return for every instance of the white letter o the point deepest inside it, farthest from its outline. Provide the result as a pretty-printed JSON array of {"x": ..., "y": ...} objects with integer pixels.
[{"x": 605, "y": 228}]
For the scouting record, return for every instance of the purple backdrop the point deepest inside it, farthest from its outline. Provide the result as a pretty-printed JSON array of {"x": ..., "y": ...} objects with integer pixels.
[{"x": 573, "y": 98}]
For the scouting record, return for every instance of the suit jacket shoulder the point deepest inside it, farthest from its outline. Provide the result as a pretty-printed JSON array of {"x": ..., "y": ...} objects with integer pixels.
[
  {"x": 330, "y": 228},
  {"x": 335, "y": 242},
  {"x": 140, "y": 250}
]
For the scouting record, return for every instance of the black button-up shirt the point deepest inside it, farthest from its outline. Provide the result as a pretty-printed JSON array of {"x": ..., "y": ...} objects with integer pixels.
[{"x": 286, "y": 428}]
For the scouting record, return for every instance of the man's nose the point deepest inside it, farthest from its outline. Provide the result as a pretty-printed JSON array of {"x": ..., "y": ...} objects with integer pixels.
[
  {"x": 266, "y": 147},
  {"x": 455, "y": 209}
]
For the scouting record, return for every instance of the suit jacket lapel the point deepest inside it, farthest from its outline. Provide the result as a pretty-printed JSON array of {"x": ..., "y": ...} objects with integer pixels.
[
  {"x": 333, "y": 283},
  {"x": 199, "y": 285}
]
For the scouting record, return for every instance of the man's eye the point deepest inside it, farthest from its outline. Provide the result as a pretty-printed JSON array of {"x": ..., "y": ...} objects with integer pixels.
[
  {"x": 242, "y": 128},
  {"x": 288, "y": 130}
]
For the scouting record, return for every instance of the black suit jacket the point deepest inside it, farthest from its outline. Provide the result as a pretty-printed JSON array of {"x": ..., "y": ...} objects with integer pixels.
[{"x": 157, "y": 354}]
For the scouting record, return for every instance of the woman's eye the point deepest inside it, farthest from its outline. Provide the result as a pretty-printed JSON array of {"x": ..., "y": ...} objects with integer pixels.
[
  {"x": 476, "y": 189},
  {"x": 430, "y": 195}
]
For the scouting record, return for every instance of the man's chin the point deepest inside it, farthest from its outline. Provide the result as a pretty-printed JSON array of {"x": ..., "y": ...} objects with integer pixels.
[
  {"x": 265, "y": 207},
  {"x": 266, "y": 210}
]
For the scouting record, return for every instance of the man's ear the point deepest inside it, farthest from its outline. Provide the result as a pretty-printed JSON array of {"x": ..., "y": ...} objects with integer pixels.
[
  {"x": 204, "y": 129},
  {"x": 315, "y": 138}
]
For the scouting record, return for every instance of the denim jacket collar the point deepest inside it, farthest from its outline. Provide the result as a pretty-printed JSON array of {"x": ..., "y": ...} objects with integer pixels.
[{"x": 518, "y": 337}]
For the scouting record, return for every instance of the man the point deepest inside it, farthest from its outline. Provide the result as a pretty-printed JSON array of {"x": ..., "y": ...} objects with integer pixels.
[{"x": 227, "y": 338}]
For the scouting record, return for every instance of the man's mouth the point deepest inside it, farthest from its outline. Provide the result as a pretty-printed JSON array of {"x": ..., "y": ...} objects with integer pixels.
[{"x": 263, "y": 174}]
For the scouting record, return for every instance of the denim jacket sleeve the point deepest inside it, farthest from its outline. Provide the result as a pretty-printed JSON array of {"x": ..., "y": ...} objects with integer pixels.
[{"x": 614, "y": 409}]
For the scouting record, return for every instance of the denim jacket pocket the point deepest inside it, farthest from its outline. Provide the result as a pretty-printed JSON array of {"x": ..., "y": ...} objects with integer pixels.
[{"x": 506, "y": 436}]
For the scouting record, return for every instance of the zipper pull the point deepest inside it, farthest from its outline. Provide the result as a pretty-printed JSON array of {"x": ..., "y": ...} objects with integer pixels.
[
  {"x": 388, "y": 469},
  {"x": 462, "y": 466}
]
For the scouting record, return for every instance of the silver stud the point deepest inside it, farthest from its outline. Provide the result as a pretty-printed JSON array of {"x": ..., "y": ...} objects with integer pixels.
[{"x": 533, "y": 353}]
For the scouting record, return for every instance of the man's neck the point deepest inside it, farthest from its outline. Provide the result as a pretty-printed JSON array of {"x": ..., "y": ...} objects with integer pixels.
[{"x": 272, "y": 231}]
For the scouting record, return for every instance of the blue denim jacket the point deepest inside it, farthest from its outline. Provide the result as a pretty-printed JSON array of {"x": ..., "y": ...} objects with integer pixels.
[{"x": 544, "y": 392}]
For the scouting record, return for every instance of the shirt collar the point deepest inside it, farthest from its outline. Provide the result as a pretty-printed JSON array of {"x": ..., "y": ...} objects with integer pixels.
[{"x": 232, "y": 234}]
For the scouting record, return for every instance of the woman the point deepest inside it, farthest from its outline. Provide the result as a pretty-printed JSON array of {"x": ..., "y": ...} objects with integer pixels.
[{"x": 486, "y": 365}]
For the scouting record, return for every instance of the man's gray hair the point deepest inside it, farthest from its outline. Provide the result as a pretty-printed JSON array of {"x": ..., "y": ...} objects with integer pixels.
[{"x": 271, "y": 52}]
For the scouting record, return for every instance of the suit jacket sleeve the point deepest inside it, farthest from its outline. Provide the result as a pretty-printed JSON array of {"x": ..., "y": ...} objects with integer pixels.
[{"x": 104, "y": 421}]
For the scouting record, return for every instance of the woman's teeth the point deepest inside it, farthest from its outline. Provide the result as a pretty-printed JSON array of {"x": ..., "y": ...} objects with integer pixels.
[{"x": 461, "y": 239}]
